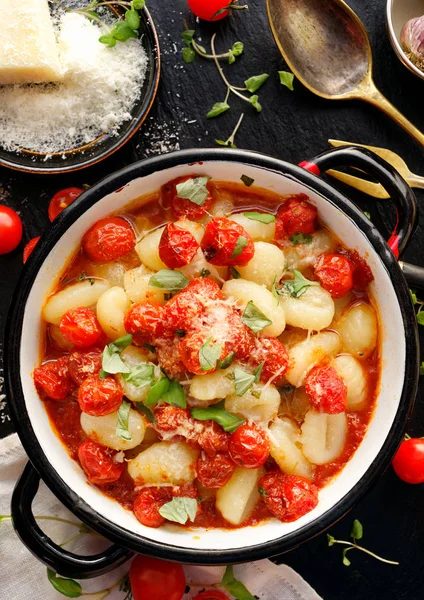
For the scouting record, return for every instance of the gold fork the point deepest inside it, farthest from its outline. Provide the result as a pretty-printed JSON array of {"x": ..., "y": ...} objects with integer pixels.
[{"x": 368, "y": 187}]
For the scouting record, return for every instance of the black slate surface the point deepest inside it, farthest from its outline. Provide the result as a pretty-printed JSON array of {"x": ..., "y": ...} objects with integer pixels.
[{"x": 292, "y": 126}]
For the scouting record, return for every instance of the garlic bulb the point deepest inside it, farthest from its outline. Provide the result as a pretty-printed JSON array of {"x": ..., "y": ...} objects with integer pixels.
[{"x": 412, "y": 40}]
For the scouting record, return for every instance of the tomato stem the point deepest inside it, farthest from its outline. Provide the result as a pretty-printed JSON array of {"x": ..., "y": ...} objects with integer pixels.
[{"x": 354, "y": 545}]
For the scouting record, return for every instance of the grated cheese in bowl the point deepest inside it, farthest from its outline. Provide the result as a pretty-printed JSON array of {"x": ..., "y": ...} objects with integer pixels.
[{"x": 100, "y": 87}]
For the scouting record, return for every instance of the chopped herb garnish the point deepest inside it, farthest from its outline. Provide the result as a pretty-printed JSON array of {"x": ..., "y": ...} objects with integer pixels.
[
  {"x": 112, "y": 362},
  {"x": 217, "y": 109},
  {"x": 123, "y": 417},
  {"x": 204, "y": 273},
  {"x": 235, "y": 587},
  {"x": 140, "y": 375},
  {"x": 242, "y": 381},
  {"x": 180, "y": 333},
  {"x": 209, "y": 355},
  {"x": 144, "y": 410},
  {"x": 254, "y": 83},
  {"x": 298, "y": 285},
  {"x": 157, "y": 391},
  {"x": 175, "y": 395},
  {"x": 226, "y": 362},
  {"x": 170, "y": 280},
  {"x": 194, "y": 189},
  {"x": 300, "y": 238},
  {"x": 179, "y": 510},
  {"x": 217, "y": 413},
  {"x": 248, "y": 181},
  {"x": 234, "y": 273},
  {"x": 286, "y": 79},
  {"x": 257, "y": 371},
  {"x": 241, "y": 244},
  {"x": 261, "y": 217},
  {"x": 254, "y": 318}
]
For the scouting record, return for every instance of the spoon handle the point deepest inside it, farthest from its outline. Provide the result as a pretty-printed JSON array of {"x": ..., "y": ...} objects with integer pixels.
[
  {"x": 416, "y": 181},
  {"x": 375, "y": 97}
]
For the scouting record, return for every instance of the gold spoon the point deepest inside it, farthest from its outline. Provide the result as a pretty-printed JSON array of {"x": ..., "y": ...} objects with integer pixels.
[{"x": 327, "y": 47}]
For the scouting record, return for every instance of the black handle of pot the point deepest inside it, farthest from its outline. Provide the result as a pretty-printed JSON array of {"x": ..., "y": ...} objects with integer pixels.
[
  {"x": 53, "y": 556},
  {"x": 414, "y": 275},
  {"x": 399, "y": 191}
]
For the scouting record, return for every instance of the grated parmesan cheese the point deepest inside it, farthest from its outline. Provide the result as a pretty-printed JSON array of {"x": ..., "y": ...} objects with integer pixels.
[{"x": 100, "y": 88}]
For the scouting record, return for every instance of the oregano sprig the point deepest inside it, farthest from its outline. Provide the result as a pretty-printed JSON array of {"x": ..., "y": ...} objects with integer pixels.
[{"x": 123, "y": 29}]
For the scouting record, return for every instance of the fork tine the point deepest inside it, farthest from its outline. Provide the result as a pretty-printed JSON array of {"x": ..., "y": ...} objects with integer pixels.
[{"x": 367, "y": 187}]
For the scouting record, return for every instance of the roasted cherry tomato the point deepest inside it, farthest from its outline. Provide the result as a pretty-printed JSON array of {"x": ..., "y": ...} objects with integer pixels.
[
  {"x": 147, "y": 504},
  {"x": 208, "y": 9},
  {"x": 239, "y": 339},
  {"x": 326, "y": 390},
  {"x": 211, "y": 595},
  {"x": 177, "y": 247},
  {"x": 109, "y": 239},
  {"x": 249, "y": 446},
  {"x": 167, "y": 352},
  {"x": 288, "y": 497},
  {"x": 187, "y": 490},
  {"x": 80, "y": 327},
  {"x": 362, "y": 275},
  {"x": 99, "y": 464},
  {"x": 273, "y": 354},
  {"x": 408, "y": 462},
  {"x": 214, "y": 471},
  {"x": 10, "y": 229},
  {"x": 61, "y": 200},
  {"x": 153, "y": 579},
  {"x": 53, "y": 378},
  {"x": 99, "y": 397},
  {"x": 182, "y": 207},
  {"x": 184, "y": 312},
  {"x": 83, "y": 364},
  {"x": 144, "y": 321},
  {"x": 171, "y": 419},
  {"x": 225, "y": 243},
  {"x": 335, "y": 273},
  {"x": 296, "y": 215},
  {"x": 213, "y": 439},
  {"x": 191, "y": 347},
  {"x": 29, "y": 248}
]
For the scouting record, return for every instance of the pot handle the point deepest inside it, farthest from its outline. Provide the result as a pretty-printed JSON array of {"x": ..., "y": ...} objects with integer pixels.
[
  {"x": 53, "y": 556},
  {"x": 399, "y": 191}
]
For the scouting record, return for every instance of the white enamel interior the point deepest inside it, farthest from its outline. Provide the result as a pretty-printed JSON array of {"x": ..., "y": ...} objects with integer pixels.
[{"x": 388, "y": 400}]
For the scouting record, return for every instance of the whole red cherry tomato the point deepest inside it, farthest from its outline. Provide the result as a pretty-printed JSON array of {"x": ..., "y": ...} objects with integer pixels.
[
  {"x": 109, "y": 239},
  {"x": 190, "y": 349},
  {"x": 211, "y": 595},
  {"x": 335, "y": 273},
  {"x": 147, "y": 504},
  {"x": 213, "y": 439},
  {"x": 153, "y": 579},
  {"x": 83, "y": 364},
  {"x": 10, "y": 229},
  {"x": 214, "y": 471},
  {"x": 249, "y": 446},
  {"x": 177, "y": 247},
  {"x": 99, "y": 464},
  {"x": 207, "y": 9},
  {"x": 61, "y": 200},
  {"x": 362, "y": 274},
  {"x": 99, "y": 397},
  {"x": 144, "y": 321},
  {"x": 80, "y": 327},
  {"x": 29, "y": 248},
  {"x": 288, "y": 497},
  {"x": 183, "y": 207},
  {"x": 273, "y": 354},
  {"x": 408, "y": 462},
  {"x": 296, "y": 215},
  {"x": 326, "y": 390},
  {"x": 171, "y": 419},
  {"x": 225, "y": 243},
  {"x": 53, "y": 378}
]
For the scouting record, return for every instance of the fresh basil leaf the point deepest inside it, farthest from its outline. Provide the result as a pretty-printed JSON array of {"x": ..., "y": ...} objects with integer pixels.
[
  {"x": 140, "y": 375},
  {"x": 420, "y": 317},
  {"x": 138, "y": 4},
  {"x": 179, "y": 510},
  {"x": 235, "y": 587},
  {"x": 149, "y": 347},
  {"x": 300, "y": 238},
  {"x": 331, "y": 539},
  {"x": 108, "y": 40},
  {"x": 231, "y": 57},
  {"x": 194, "y": 189},
  {"x": 226, "y": 362},
  {"x": 217, "y": 109},
  {"x": 247, "y": 180},
  {"x": 170, "y": 280},
  {"x": 254, "y": 318},
  {"x": 204, "y": 273},
  {"x": 144, "y": 410},
  {"x": 133, "y": 19},
  {"x": 187, "y": 36},
  {"x": 254, "y": 102},
  {"x": 209, "y": 354},
  {"x": 357, "y": 530},
  {"x": 188, "y": 55},
  {"x": 254, "y": 83},
  {"x": 257, "y": 371},
  {"x": 298, "y": 285},
  {"x": 122, "y": 342},
  {"x": 122, "y": 425},
  {"x": 112, "y": 362},
  {"x": 234, "y": 273},
  {"x": 67, "y": 587},
  {"x": 175, "y": 395},
  {"x": 157, "y": 391},
  {"x": 242, "y": 381},
  {"x": 346, "y": 561},
  {"x": 217, "y": 413},
  {"x": 122, "y": 31},
  {"x": 261, "y": 217},
  {"x": 286, "y": 79},
  {"x": 422, "y": 368},
  {"x": 241, "y": 244},
  {"x": 237, "y": 48}
]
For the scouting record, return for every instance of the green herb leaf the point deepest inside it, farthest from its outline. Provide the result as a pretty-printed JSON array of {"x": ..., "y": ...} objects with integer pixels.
[
  {"x": 194, "y": 189},
  {"x": 108, "y": 40},
  {"x": 331, "y": 539},
  {"x": 138, "y": 4},
  {"x": 367, "y": 214},
  {"x": 67, "y": 587},
  {"x": 297, "y": 286},
  {"x": 420, "y": 317},
  {"x": 209, "y": 354},
  {"x": 140, "y": 375},
  {"x": 234, "y": 273},
  {"x": 422, "y": 368},
  {"x": 413, "y": 297},
  {"x": 122, "y": 31},
  {"x": 254, "y": 83},
  {"x": 122, "y": 342},
  {"x": 237, "y": 48},
  {"x": 217, "y": 413},
  {"x": 157, "y": 391},
  {"x": 204, "y": 273},
  {"x": 149, "y": 347},
  {"x": 167, "y": 279},
  {"x": 262, "y": 492},
  {"x": 144, "y": 410},
  {"x": 261, "y": 217},
  {"x": 286, "y": 79},
  {"x": 241, "y": 244},
  {"x": 254, "y": 318},
  {"x": 187, "y": 36},
  {"x": 357, "y": 530},
  {"x": 175, "y": 395},
  {"x": 122, "y": 425},
  {"x": 247, "y": 180},
  {"x": 254, "y": 102},
  {"x": 112, "y": 362},
  {"x": 346, "y": 561},
  {"x": 217, "y": 109},
  {"x": 300, "y": 238},
  {"x": 231, "y": 57},
  {"x": 188, "y": 55},
  {"x": 235, "y": 587},
  {"x": 133, "y": 19},
  {"x": 226, "y": 362},
  {"x": 257, "y": 371},
  {"x": 179, "y": 510},
  {"x": 227, "y": 143},
  {"x": 242, "y": 381}
]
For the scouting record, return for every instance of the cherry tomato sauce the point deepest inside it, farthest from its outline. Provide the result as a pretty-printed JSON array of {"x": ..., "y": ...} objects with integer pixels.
[{"x": 65, "y": 415}]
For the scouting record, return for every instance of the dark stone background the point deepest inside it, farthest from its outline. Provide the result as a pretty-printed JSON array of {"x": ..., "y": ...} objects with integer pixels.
[{"x": 292, "y": 126}]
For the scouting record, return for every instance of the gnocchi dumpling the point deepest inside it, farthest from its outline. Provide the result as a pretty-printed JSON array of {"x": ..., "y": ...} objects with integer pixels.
[
  {"x": 133, "y": 357},
  {"x": 258, "y": 404},
  {"x": 283, "y": 435},
  {"x": 138, "y": 289},
  {"x": 83, "y": 293},
  {"x": 301, "y": 256},
  {"x": 313, "y": 310},
  {"x": 199, "y": 264},
  {"x": 243, "y": 291},
  {"x": 103, "y": 430},
  {"x": 111, "y": 308},
  {"x": 304, "y": 355},
  {"x": 239, "y": 496},
  {"x": 267, "y": 265},
  {"x": 323, "y": 436},
  {"x": 165, "y": 462},
  {"x": 258, "y": 231},
  {"x": 212, "y": 386},
  {"x": 196, "y": 229},
  {"x": 352, "y": 373},
  {"x": 358, "y": 330},
  {"x": 113, "y": 272},
  {"x": 148, "y": 250}
]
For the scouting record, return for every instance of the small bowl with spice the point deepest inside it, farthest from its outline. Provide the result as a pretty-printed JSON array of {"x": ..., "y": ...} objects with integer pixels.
[{"x": 405, "y": 25}]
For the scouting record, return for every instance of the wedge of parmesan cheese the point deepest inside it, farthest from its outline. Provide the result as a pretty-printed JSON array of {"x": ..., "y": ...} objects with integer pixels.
[{"x": 28, "y": 51}]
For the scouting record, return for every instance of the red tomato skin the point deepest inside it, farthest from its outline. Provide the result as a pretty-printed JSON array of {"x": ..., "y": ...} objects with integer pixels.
[
  {"x": 177, "y": 247},
  {"x": 144, "y": 321},
  {"x": 408, "y": 462},
  {"x": 219, "y": 241},
  {"x": 274, "y": 355},
  {"x": 182, "y": 207},
  {"x": 147, "y": 504},
  {"x": 98, "y": 464},
  {"x": 214, "y": 471},
  {"x": 99, "y": 397},
  {"x": 296, "y": 215},
  {"x": 108, "y": 239},
  {"x": 61, "y": 200},
  {"x": 362, "y": 275},
  {"x": 213, "y": 439},
  {"x": 53, "y": 379},
  {"x": 187, "y": 490},
  {"x": 288, "y": 497},
  {"x": 153, "y": 579},
  {"x": 10, "y": 229},
  {"x": 80, "y": 327},
  {"x": 240, "y": 339},
  {"x": 29, "y": 248},
  {"x": 326, "y": 390},
  {"x": 172, "y": 419},
  {"x": 167, "y": 352},
  {"x": 190, "y": 347},
  {"x": 207, "y": 10},
  {"x": 211, "y": 595},
  {"x": 335, "y": 273},
  {"x": 83, "y": 364},
  {"x": 249, "y": 446}
]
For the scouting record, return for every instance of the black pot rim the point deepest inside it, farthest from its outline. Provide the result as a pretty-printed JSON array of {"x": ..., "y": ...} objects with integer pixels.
[{"x": 30, "y": 442}]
